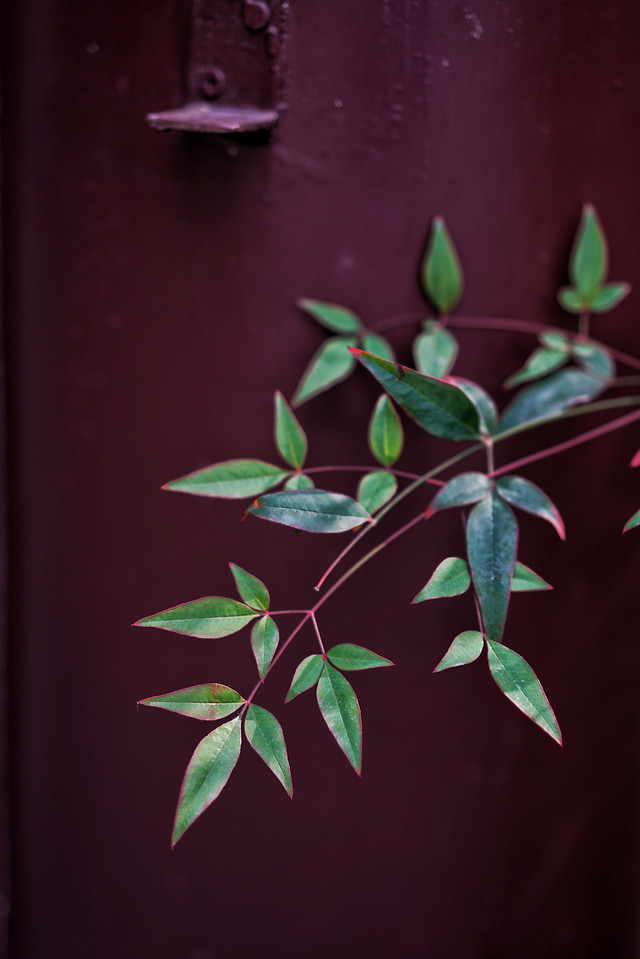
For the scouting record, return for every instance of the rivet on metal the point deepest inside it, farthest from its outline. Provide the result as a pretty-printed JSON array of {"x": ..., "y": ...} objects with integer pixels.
[{"x": 256, "y": 14}]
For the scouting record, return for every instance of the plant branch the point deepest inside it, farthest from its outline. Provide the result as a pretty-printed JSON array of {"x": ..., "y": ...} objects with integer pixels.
[{"x": 402, "y": 474}]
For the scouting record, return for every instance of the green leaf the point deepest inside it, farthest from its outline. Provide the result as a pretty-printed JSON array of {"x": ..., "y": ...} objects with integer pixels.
[
  {"x": 264, "y": 733},
  {"x": 633, "y": 522},
  {"x": 330, "y": 365},
  {"x": 550, "y": 397},
  {"x": 299, "y": 481},
  {"x": 341, "y": 712},
  {"x": 208, "y": 618},
  {"x": 520, "y": 684},
  {"x": 588, "y": 259},
  {"x": 525, "y": 580},
  {"x": 608, "y": 296},
  {"x": 527, "y": 496},
  {"x": 440, "y": 408},
  {"x": 462, "y": 490},
  {"x": 378, "y": 345},
  {"x": 541, "y": 362},
  {"x": 595, "y": 359},
  {"x": 306, "y": 675},
  {"x": 487, "y": 410},
  {"x": 208, "y": 702},
  {"x": 252, "y": 590},
  {"x": 375, "y": 489},
  {"x": 492, "y": 540},
  {"x": 233, "y": 479},
  {"x": 465, "y": 648},
  {"x": 571, "y": 300},
  {"x": 441, "y": 273},
  {"x": 336, "y": 318},
  {"x": 313, "y": 510},
  {"x": 555, "y": 340},
  {"x": 434, "y": 350},
  {"x": 207, "y": 774},
  {"x": 289, "y": 435},
  {"x": 264, "y": 642},
  {"x": 386, "y": 437},
  {"x": 451, "y": 578},
  {"x": 348, "y": 656}
]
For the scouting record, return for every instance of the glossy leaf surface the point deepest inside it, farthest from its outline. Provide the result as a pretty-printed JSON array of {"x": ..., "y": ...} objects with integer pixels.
[
  {"x": 441, "y": 273},
  {"x": 440, "y": 408},
  {"x": 608, "y": 296},
  {"x": 434, "y": 350},
  {"x": 555, "y": 340},
  {"x": 492, "y": 540},
  {"x": 252, "y": 590},
  {"x": 520, "y": 684},
  {"x": 315, "y": 511},
  {"x": 451, "y": 578},
  {"x": 465, "y": 648},
  {"x": 264, "y": 642},
  {"x": 525, "y": 580},
  {"x": 595, "y": 359},
  {"x": 208, "y": 618},
  {"x": 208, "y": 702},
  {"x": 341, "y": 712},
  {"x": 233, "y": 479},
  {"x": 571, "y": 300},
  {"x": 330, "y": 365},
  {"x": 375, "y": 489},
  {"x": 633, "y": 522},
  {"x": 378, "y": 345},
  {"x": 264, "y": 733},
  {"x": 349, "y": 656},
  {"x": 527, "y": 496},
  {"x": 551, "y": 396},
  {"x": 299, "y": 481},
  {"x": 461, "y": 491},
  {"x": 385, "y": 432},
  {"x": 484, "y": 404},
  {"x": 588, "y": 260},
  {"x": 289, "y": 435},
  {"x": 541, "y": 362},
  {"x": 306, "y": 675},
  {"x": 333, "y": 317},
  {"x": 207, "y": 774}
]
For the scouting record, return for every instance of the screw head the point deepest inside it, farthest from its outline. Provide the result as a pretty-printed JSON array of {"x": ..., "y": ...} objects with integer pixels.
[
  {"x": 212, "y": 83},
  {"x": 256, "y": 14}
]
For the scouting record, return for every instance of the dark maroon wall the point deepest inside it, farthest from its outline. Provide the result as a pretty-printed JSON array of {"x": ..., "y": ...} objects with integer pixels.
[{"x": 151, "y": 285}]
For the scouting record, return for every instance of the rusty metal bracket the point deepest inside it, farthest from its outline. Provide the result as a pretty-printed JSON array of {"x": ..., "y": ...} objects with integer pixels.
[{"x": 233, "y": 68}]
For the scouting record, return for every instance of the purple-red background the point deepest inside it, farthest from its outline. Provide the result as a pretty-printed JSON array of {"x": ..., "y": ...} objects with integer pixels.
[{"x": 150, "y": 316}]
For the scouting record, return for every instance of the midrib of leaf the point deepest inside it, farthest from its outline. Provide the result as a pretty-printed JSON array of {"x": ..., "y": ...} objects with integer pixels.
[
  {"x": 212, "y": 763},
  {"x": 353, "y": 743},
  {"x": 542, "y": 721},
  {"x": 269, "y": 742}
]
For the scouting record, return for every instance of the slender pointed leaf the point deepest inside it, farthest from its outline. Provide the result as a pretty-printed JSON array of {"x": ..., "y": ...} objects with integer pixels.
[
  {"x": 385, "y": 432},
  {"x": 633, "y": 522},
  {"x": 208, "y": 702},
  {"x": 252, "y": 590},
  {"x": 233, "y": 479},
  {"x": 330, "y": 365},
  {"x": 264, "y": 733},
  {"x": 306, "y": 675},
  {"x": 541, "y": 362},
  {"x": 264, "y": 642},
  {"x": 299, "y": 481},
  {"x": 451, "y": 578},
  {"x": 349, "y": 656},
  {"x": 289, "y": 435},
  {"x": 434, "y": 350},
  {"x": 588, "y": 260},
  {"x": 375, "y": 489},
  {"x": 341, "y": 712},
  {"x": 441, "y": 273},
  {"x": 608, "y": 296},
  {"x": 378, "y": 345},
  {"x": 313, "y": 510},
  {"x": 333, "y": 317},
  {"x": 525, "y": 580},
  {"x": 550, "y": 397},
  {"x": 438, "y": 407},
  {"x": 208, "y": 618},
  {"x": 462, "y": 490},
  {"x": 527, "y": 496},
  {"x": 492, "y": 541},
  {"x": 465, "y": 648},
  {"x": 207, "y": 774},
  {"x": 487, "y": 410},
  {"x": 595, "y": 359},
  {"x": 520, "y": 684}
]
